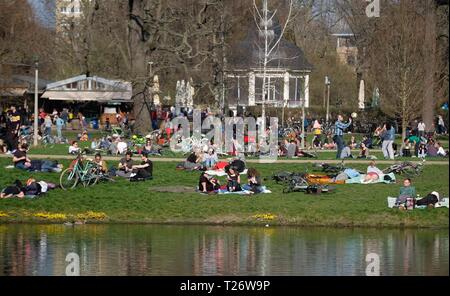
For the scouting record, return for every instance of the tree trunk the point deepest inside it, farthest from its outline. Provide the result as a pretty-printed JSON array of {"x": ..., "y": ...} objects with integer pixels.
[
  {"x": 140, "y": 76},
  {"x": 429, "y": 102}
]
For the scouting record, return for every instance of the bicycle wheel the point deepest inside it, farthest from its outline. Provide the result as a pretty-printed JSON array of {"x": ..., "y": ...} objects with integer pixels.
[
  {"x": 68, "y": 179},
  {"x": 91, "y": 177}
]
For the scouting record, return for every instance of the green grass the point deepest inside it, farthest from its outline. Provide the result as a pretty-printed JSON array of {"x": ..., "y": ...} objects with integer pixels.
[
  {"x": 126, "y": 202},
  {"x": 62, "y": 149}
]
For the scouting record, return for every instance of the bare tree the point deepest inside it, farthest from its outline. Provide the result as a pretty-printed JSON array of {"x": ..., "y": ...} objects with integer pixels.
[
  {"x": 396, "y": 61},
  {"x": 270, "y": 41}
]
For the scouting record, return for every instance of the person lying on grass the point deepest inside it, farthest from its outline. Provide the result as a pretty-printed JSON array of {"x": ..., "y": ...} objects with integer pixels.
[
  {"x": 32, "y": 188},
  {"x": 125, "y": 166},
  {"x": 208, "y": 184},
  {"x": 373, "y": 173},
  {"x": 144, "y": 171}
]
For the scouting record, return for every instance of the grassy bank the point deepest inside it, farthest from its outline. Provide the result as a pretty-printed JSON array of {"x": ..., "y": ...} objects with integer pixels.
[{"x": 125, "y": 202}]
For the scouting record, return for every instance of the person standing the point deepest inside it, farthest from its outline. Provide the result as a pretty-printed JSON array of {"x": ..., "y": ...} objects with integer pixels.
[
  {"x": 47, "y": 125},
  {"x": 421, "y": 128},
  {"x": 340, "y": 126},
  {"x": 65, "y": 117},
  {"x": 388, "y": 136},
  {"x": 441, "y": 125},
  {"x": 59, "y": 122},
  {"x": 12, "y": 128}
]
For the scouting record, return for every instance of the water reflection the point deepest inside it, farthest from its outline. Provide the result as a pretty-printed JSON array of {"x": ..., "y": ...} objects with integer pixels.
[{"x": 208, "y": 250}]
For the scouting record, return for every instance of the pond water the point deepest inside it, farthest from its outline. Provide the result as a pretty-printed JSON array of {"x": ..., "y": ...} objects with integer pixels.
[{"x": 215, "y": 250}]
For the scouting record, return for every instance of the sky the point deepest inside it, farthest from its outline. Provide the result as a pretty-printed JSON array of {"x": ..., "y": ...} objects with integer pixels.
[{"x": 45, "y": 16}]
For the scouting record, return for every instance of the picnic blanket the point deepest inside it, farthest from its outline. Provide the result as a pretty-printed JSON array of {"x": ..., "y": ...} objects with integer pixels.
[
  {"x": 443, "y": 203},
  {"x": 221, "y": 172},
  {"x": 243, "y": 192},
  {"x": 381, "y": 179}
]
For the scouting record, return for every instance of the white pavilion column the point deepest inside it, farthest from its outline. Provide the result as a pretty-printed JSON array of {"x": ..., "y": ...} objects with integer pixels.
[
  {"x": 286, "y": 87},
  {"x": 306, "y": 91},
  {"x": 251, "y": 89}
]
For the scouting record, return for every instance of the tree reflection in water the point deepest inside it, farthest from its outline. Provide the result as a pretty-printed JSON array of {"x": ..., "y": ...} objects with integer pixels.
[{"x": 215, "y": 250}]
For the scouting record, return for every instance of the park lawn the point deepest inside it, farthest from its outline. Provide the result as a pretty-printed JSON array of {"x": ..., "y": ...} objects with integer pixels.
[{"x": 127, "y": 202}]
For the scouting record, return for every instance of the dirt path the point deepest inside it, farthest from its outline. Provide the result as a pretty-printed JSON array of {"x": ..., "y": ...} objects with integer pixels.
[{"x": 282, "y": 160}]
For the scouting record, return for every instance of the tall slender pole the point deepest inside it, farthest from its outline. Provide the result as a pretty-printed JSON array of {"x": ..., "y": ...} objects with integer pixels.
[
  {"x": 36, "y": 89},
  {"x": 328, "y": 102}
]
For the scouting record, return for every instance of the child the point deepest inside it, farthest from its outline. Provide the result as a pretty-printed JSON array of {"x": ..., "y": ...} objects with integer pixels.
[
  {"x": 422, "y": 152},
  {"x": 233, "y": 178}
]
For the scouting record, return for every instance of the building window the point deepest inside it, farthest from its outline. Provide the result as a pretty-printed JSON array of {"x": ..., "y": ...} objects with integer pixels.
[{"x": 63, "y": 9}]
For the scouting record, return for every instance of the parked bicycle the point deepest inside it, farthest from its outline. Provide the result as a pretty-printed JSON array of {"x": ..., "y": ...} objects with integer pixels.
[
  {"x": 406, "y": 168},
  {"x": 80, "y": 171}
]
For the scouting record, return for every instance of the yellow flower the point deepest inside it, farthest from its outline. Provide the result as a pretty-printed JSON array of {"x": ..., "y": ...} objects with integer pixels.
[
  {"x": 265, "y": 216},
  {"x": 2, "y": 214},
  {"x": 50, "y": 216},
  {"x": 90, "y": 215}
]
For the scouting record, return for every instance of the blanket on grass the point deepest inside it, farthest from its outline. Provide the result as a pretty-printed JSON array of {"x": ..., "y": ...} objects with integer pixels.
[
  {"x": 243, "y": 192},
  {"x": 381, "y": 179},
  {"x": 443, "y": 203},
  {"x": 221, "y": 172}
]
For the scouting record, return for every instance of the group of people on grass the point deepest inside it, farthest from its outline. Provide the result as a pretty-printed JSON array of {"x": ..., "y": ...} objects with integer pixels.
[{"x": 211, "y": 184}]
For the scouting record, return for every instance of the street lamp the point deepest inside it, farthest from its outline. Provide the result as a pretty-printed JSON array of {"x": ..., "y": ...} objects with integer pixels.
[
  {"x": 36, "y": 90},
  {"x": 328, "y": 83}
]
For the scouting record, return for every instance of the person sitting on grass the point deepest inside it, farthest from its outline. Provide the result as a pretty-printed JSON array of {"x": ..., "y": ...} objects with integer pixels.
[
  {"x": 194, "y": 160},
  {"x": 143, "y": 171},
  {"x": 20, "y": 159},
  {"x": 125, "y": 166},
  {"x": 208, "y": 184},
  {"x": 122, "y": 146},
  {"x": 150, "y": 149},
  {"x": 329, "y": 143},
  {"x": 254, "y": 181},
  {"x": 373, "y": 173},
  {"x": 75, "y": 149},
  {"x": 317, "y": 141},
  {"x": 346, "y": 153},
  {"x": 352, "y": 143},
  {"x": 441, "y": 152},
  {"x": 101, "y": 164},
  {"x": 3, "y": 147},
  {"x": 84, "y": 136},
  {"x": 422, "y": 152},
  {"x": 363, "y": 151},
  {"x": 233, "y": 179},
  {"x": 407, "y": 191}
]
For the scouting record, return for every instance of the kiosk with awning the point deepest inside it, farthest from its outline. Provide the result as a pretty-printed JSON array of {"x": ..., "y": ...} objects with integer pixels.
[{"x": 109, "y": 93}]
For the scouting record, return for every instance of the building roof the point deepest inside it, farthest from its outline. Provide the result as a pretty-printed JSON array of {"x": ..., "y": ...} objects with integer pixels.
[
  {"x": 249, "y": 53},
  {"x": 84, "y": 88}
]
